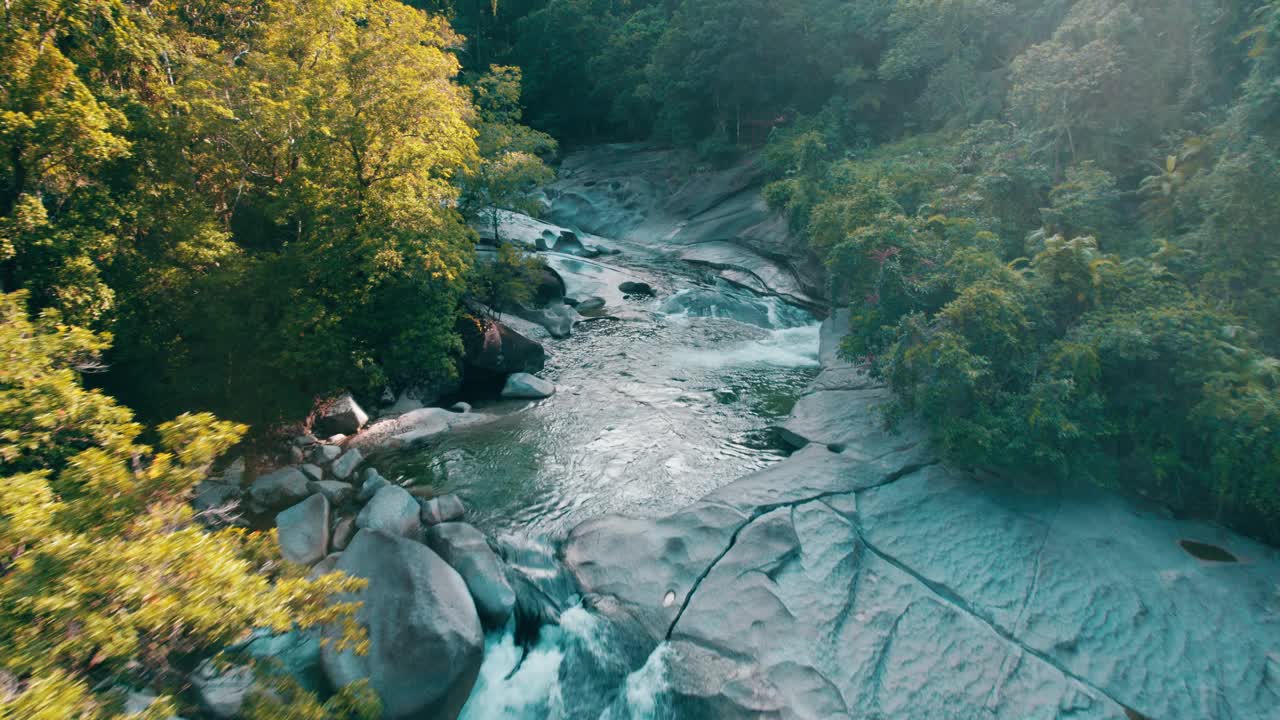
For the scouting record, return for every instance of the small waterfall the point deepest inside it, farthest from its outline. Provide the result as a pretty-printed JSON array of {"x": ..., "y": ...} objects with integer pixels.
[{"x": 574, "y": 664}]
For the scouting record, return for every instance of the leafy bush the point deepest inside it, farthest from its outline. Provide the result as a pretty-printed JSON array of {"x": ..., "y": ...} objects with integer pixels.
[{"x": 106, "y": 577}]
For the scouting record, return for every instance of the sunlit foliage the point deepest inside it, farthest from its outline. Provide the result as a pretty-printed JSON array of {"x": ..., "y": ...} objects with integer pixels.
[{"x": 107, "y": 580}]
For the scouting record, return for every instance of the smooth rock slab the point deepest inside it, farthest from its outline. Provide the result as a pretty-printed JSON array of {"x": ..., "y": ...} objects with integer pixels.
[
  {"x": 467, "y": 551},
  {"x": 303, "y": 530},
  {"x": 1098, "y": 586},
  {"x": 425, "y": 640},
  {"x": 527, "y": 387}
]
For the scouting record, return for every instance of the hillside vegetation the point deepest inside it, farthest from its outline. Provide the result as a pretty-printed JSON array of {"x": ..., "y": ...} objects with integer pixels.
[{"x": 1055, "y": 221}]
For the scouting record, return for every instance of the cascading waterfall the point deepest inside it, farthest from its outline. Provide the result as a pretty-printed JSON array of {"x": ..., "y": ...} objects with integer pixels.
[{"x": 576, "y": 665}]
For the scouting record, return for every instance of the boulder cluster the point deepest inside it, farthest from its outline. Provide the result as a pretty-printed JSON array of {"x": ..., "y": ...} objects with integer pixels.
[{"x": 435, "y": 582}]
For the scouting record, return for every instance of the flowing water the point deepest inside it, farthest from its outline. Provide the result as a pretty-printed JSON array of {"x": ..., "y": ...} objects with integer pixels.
[{"x": 652, "y": 411}]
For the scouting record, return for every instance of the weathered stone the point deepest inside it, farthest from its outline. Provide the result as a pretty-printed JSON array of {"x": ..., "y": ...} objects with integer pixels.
[
  {"x": 295, "y": 653},
  {"x": 467, "y": 551},
  {"x": 338, "y": 492},
  {"x": 280, "y": 489},
  {"x": 591, "y": 304},
  {"x": 527, "y": 387},
  {"x": 373, "y": 482},
  {"x": 303, "y": 530},
  {"x": 343, "y": 530},
  {"x": 413, "y": 427},
  {"x": 445, "y": 508},
  {"x": 314, "y": 472},
  {"x": 325, "y": 454},
  {"x": 425, "y": 638},
  {"x": 212, "y": 494},
  {"x": 344, "y": 415},
  {"x": 499, "y": 349},
  {"x": 222, "y": 691},
  {"x": 569, "y": 244},
  {"x": 325, "y": 566},
  {"x": 393, "y": 511},
  {"x": 346, "y": 464}
]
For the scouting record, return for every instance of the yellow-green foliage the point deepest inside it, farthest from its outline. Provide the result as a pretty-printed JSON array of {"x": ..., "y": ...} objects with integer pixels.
[{"x": 106, "y": 578}]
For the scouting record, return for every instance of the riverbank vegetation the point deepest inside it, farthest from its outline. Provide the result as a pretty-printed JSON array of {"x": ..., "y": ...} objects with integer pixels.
[
  {"x": 211, "y": 209},
  {"x": 1054, "y": 220}
]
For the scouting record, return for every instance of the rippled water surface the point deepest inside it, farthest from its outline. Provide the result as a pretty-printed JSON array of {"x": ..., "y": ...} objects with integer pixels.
[{"x": 651, "y": 413}]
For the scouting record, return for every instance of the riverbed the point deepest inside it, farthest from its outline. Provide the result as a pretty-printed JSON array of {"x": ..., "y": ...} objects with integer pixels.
[{"x": 660, "y": 401}]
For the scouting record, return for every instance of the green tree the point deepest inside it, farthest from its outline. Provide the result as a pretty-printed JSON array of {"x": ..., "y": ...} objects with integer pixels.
[{"x": 106, "y": 577}]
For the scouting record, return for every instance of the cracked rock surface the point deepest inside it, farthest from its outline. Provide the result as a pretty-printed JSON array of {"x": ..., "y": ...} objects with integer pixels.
[{"x": 875, "y": 582}]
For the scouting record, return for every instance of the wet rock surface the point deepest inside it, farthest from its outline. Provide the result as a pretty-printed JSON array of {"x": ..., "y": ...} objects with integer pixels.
[
  {"x": 425, "y": 641},
  {"x": 863, "y": 578},
  {"x": 714, "y": 217}
]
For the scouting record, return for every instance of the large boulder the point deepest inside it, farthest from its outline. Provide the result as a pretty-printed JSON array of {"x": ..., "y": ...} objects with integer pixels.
[
  {"x": 467, "y": 551},
  {"x": 425, "y": 638},
  {"x": 497, "y": 348},
  {"x": 393, "y": 511},
  {"x": 280, "y": 489},
  {"x": 527, "y": 387},
  {"x": 303, "y": 530},
  {"x": 343, "y": 416}
]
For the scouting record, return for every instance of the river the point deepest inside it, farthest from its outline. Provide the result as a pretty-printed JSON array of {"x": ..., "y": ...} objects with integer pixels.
[{"x": 653, "y": 410}]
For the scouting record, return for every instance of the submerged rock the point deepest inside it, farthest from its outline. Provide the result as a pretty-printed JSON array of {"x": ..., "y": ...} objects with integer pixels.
[
  {"x": 526, "y": 386},
  {"x": 637, "y": 288},
  {"x": 443, "y": 509},
  {"x": 467, "y": 551},
  {"x": 557, "y": 319},
  {"x": 342, "y": 416},
  {"x": 425, "y": 639}
]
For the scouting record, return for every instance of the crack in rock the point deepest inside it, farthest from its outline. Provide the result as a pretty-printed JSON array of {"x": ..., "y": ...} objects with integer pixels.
[
  {"x": 954, "y": 601},
  {"x": 763, "y": 510}
]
